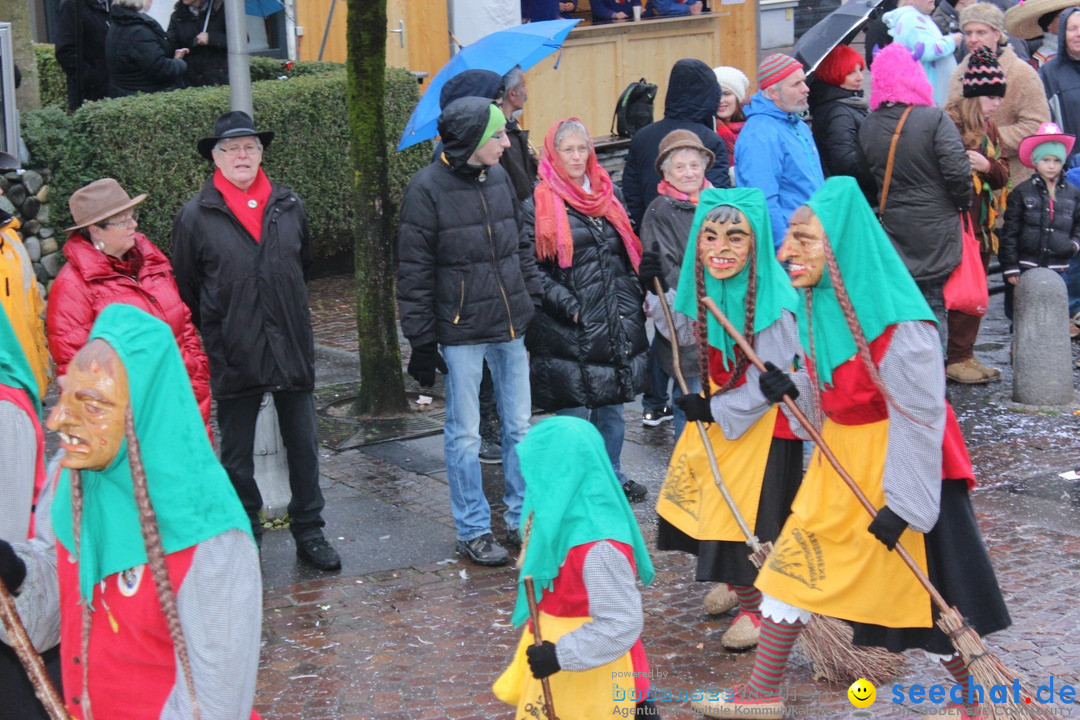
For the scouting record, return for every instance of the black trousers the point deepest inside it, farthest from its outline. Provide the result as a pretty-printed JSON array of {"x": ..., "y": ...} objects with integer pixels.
[{"x": 296, "y": 416}]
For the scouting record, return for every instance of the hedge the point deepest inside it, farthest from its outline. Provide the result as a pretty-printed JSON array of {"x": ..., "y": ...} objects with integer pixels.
[
  {"x": 54, "y": 82},
  {"x": 147, "y": 143},
  {"x": 51, "y": 78}
]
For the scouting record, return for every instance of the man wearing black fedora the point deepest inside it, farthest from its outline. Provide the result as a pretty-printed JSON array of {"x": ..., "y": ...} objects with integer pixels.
[{"x": 241, "y": 252}]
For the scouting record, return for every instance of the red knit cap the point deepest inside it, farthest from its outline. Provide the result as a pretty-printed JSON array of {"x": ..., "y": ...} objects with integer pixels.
[
  {"x": 838, "y": 64},
  {"x": 775, "y": 68}
]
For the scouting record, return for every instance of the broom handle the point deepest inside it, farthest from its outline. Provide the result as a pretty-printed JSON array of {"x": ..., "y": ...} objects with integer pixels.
[
  {"x": 534, "y": 615},
  {"x": 29, "y": 658},
  {"x": 826, "y": 451},
  {"x": 751, "y": 539}
]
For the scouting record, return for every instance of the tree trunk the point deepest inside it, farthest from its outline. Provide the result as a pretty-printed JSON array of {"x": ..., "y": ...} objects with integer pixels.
[
  {"x": 382, "y": 388},
  {"x": 17, "y": 12}
]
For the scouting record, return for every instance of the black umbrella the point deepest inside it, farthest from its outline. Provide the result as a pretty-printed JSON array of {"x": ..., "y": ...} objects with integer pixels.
[{"x": 837, "y": 28}]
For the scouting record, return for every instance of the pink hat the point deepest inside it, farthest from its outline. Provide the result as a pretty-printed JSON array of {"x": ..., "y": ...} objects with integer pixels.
[{"x": 1048, "y": 132}]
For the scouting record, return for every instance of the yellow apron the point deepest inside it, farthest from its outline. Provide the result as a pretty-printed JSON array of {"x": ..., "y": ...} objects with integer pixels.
[
  {"x": 586, "y": 695},
  {"x": 689, "y": 498},
  {"x": 825, "y": 561}
]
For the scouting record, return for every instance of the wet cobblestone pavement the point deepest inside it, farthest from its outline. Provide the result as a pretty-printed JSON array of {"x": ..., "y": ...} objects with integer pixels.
[{"x": 427, "y": 639}]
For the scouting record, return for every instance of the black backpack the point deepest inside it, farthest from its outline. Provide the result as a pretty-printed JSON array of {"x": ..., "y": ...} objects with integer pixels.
[{"x": 634, "y": 109}]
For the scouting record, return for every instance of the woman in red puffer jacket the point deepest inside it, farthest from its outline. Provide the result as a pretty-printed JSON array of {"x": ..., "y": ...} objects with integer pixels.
[{"x": 108, "y": 262}]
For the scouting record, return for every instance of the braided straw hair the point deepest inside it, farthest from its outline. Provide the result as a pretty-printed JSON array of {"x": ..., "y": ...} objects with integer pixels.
[
  {"x": 101, "y": 353},
  {"x": 724, "y": 213},
  {"x": 155, "y": 554}
]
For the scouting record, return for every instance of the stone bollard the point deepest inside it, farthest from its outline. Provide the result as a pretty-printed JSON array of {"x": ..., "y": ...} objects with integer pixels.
[
  {"x": 271, "y": 461},
  {"x": 1042, "y": 352}
]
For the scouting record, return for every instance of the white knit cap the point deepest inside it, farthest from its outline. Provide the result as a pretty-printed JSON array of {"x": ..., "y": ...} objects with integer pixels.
[{"x": 734, "y": 80}]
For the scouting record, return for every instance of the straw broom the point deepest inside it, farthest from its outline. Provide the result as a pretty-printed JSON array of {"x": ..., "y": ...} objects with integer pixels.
[
  {"x": 984, "y": 666},
  {"x": 827, "y": 641},
  {"x": 31, "y": 661},
  {"x": 534, "y": 612}
]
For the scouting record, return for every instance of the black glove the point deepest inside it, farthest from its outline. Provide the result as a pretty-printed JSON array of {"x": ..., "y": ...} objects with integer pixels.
[
  {"x": 888, "y": 527},
  {"x": 424, "y": 362},
  {"x": 542, "y": 660},
  {"x": 695, "y": 407},
  {"x": 12, "y": 568},
  {"x": 650, "y": 268},
  {"x": 775, "y": 384}
]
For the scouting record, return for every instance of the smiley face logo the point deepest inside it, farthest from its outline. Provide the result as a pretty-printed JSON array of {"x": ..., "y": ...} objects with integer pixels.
[{"x": 861, "y": 693}]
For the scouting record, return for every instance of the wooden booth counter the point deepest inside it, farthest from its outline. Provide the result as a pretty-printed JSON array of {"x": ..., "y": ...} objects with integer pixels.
[{"x": 599, "y": 61}]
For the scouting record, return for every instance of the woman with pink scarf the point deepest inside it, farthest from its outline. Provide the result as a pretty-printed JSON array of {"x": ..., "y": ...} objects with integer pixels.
[{"x": 587, "y": 344}]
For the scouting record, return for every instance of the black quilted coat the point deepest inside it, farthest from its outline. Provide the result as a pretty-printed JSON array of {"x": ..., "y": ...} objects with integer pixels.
[
  {"x": 1029, "y": 238},
  {"x": 600, "y": 359},
  {"x": 466, "y": 274},
  {"x": 139, "y": 55}
]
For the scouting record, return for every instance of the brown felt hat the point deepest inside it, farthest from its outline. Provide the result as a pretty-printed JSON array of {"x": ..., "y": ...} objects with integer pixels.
[
  {"x": 681, "y": 140},
  {"x": 99, "y": 201}
]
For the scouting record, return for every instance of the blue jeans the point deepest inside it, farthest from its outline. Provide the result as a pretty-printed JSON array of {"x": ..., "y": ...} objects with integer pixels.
[
  {"x": 509, "y": 366},
  {"x": 693, "y": 383},
  {"x": 656, "y": 390},
  {"x": 1072, "y": 284},
  {"x": 610, "y": 422}
]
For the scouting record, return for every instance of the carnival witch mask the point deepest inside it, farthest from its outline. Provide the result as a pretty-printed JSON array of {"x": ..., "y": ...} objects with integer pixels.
[
  {"x": 724, "y": 244},
  {"x": 804, "y": 249},
  {"x": 90, "y": 414}
]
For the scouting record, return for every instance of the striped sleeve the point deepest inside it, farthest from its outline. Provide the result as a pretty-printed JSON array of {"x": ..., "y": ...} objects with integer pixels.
[
  {"x": 913, "y": 372},
  {"x": 615, "y": 608},
  {"x": 220, "y": 606}
]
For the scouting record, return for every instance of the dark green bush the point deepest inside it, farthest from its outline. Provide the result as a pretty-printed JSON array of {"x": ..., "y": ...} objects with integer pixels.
[
  {"x": 263, "y": 68},
  {"x": 45, "y": 132},
  {"x": 51, "y": 77},
  {"x": 148, "y": 142}
]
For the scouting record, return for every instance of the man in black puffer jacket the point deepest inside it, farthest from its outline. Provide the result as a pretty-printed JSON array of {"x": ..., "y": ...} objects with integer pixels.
[
  {"x": 138, "y": 53},
  {"x": 467, "y": 281},
  {"x": 693, "y": 94}
]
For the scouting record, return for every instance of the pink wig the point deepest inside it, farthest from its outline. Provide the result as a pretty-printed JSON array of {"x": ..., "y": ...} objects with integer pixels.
[{"x": 899, "y": 78}]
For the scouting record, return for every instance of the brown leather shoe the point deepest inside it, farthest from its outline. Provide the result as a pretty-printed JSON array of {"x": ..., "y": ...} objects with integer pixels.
[
  {"x": 965, "y": 373},
  {"x": 991, "y": 374}
]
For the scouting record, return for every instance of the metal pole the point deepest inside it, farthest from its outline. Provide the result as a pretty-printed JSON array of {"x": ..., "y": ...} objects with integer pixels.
[{"x": 239, "y": 65}]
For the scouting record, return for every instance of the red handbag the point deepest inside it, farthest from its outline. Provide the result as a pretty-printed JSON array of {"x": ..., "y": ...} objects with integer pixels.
[{"x": 966, "y": 290}]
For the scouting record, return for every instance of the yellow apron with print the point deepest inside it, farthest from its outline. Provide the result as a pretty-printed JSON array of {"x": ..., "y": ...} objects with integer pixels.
[
  {"x": 689, "y": 498},
  {"x": 825, "y": 561},
  {"x": 586, "y": 695}
]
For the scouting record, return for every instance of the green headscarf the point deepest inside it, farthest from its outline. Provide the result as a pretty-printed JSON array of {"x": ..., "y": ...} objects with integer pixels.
[
  {"x": 879, "y": 285},
  {"x": 774, "y": 291},
  {"x": 573, "y": 498},
  {"x": 189, "y": 488},
  {"x": 14, "y": 369}
]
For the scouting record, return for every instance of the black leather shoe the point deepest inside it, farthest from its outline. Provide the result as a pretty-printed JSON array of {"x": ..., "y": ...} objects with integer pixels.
[
  {"x": 513, "y": 538},
  {"x": 483, "y": 550},
  {"x": 635, "y": 492},
  {"x": 318, "y": 553}
]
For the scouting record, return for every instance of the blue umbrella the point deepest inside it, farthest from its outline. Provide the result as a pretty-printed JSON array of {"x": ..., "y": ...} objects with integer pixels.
[
  {"x": 262, "y": 8},
  {"x": 523, "y": 45}
]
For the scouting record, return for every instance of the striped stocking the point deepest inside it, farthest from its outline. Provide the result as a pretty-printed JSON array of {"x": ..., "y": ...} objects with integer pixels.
[
  {"x": 959, "y": 671},
  {"x": 749, "y": 598},
  {"x": 775, "y": 640}
]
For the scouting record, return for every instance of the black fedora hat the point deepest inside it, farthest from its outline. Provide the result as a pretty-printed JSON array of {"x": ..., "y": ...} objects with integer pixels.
[{"x": 230, "y": 125}]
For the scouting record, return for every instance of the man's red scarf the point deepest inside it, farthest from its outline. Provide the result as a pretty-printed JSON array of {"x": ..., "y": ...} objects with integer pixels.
[
  {"x": 248, "y": 206},
  {"x": 556, "y": 189}
]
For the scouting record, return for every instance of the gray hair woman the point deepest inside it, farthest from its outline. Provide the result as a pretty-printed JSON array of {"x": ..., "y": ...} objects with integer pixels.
[
  {"x": 682, "y": 164},
  {"x": 138, "y": 53}
]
